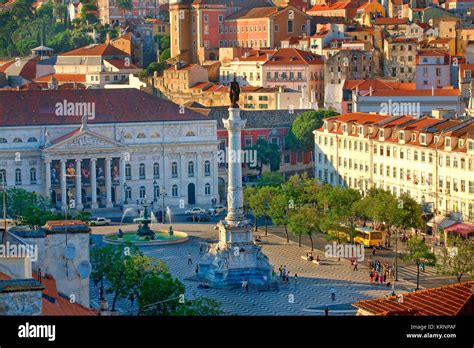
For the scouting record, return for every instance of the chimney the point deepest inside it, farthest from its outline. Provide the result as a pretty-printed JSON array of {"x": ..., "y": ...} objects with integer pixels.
[
  {"x": 107, "y": 38},
  {"x": 370, "y": 91},
  {"x": 432, "y": 91}
]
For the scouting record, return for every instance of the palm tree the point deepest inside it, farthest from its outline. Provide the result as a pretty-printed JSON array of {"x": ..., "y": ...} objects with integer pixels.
[{"x": 124, "y": 5}]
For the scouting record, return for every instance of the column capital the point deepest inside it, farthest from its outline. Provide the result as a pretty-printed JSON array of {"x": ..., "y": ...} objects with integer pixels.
[
  {"x": 78, "y": 160},
  {"x": 63, "y": 160},
  {"x": 47, "y": 160},
  {"x": 93, "y": 159},
  {"x": 108, "y": 159}
]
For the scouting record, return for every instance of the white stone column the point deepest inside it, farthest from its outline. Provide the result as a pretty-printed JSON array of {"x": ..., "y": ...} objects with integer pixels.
[
  {"x": 122, "y": 180},
  {"x": 63, "y": 185},
  {"x": 234, "y": 125},
  {"x": 93, "y": 184},
  {"x": 47, "y": 172},
  {"x": 197, "y": 172},
  {"x": 79, "y": 204},
  {"x": 108, "y": 182},
  {"x": 215, "y": 177},
  {"x": 183, "y": 173}
]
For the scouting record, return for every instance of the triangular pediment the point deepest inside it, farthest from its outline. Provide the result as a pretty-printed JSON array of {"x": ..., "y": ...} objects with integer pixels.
[{"x": 83, "y": 140}]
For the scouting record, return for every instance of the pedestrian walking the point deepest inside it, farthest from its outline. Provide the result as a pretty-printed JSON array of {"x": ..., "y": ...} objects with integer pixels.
[
  {"x": 246, "y": 286},
  {"x": 373, "y": 251},
  {"x": 197, "y": 269},
  {"x": 281, "y": 271},
  {"x": 296, "y": 278},
  {"x": 190, "y": 260},
  {"x": 355, "y": 266}
]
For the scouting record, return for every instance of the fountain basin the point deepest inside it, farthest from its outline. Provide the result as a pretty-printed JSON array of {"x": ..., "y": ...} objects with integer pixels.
[{"x": 161, "y": 238}]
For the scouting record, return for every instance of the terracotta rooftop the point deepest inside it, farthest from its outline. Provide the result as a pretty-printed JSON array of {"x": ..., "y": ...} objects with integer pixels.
[
  {"x": 378, "y": 84},
  {"x": 96, "y": 50},
  {"x": 331, "y": 7},
  {"x": 293, "y": 56},
  {"x": 253, "y": 13},
  {"x": 438, "y": 92},
  {"x": 390, "y": 21},
  {"x": 62, "y": 78},
  {"x": 449, "y": 300},
  {"x": 29, "y": 108}
]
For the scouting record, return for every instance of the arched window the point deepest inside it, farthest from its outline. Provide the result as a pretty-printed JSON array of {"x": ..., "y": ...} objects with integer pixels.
[
  {"x": 141, "y": 136},
  {"x": 18, "y": 177},
  {"x": 128, "y": 193},
  {"x": 156, "y": 171},
  {"x": 174, "y": 191},
  {"x": 3, "y": 141},
  {"x": 141, "y": 171},
  {"x": 155, "y": 135},
  {"x": 128, "y": 172},
  {"x": 207, "y": 168},
  {"x": 127, "y": 136},
  {"x": 174, "y": 170},
  {"x": 191, "y": 169},
  {"x": 3, "y": 177},
  {"x": 142, "y": 192},
  {"x": 156, "y": 192},
  {"x": 207, "y": 189},
  {"x": 32, "y": 140},
  {"x": 190, "y": 134},
  {"x": 33, "y": 176},
  {"x": 17, "y": 140}
]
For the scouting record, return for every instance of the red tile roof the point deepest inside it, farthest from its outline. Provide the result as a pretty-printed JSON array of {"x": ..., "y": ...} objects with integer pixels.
[
  {"x": 293, "y": 56},
  {"x": 29, "y": 108},
  {"x": 96, "y": 50},
  {"x": 390, "y": 21},
  {"x": 449, "y": 300},
  {"x": 121, "y": 64},
  {"x": 253, "y": 13},
  {"x": 331, "y": 7},
  {"x": 62, "y": 78},
  {"x": 438, "y": 92}
]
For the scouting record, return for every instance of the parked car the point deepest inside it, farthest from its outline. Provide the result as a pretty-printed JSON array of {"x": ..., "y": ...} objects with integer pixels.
[
  {"x": 194, "y": 211},
  {"x": 216, "y": 210},
  {"x": 199, "y": 218},
  {"x": 100, "y": 221}
]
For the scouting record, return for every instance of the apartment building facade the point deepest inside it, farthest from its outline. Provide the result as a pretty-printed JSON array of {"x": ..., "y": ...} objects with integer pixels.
[{"x": 430, "y": 159}]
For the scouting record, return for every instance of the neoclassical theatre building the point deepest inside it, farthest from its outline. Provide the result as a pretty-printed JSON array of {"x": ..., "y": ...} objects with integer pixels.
[{"x": 107, "y": 148}]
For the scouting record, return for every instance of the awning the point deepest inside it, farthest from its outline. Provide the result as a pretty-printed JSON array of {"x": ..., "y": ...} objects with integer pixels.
[
  {"x": 461, "y": 228},
  {"x": 441, "y": 221}
]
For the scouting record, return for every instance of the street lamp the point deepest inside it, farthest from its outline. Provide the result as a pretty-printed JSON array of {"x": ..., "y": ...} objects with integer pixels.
[
  {"x": 155, "y": 196},
  {"x": 4, "y": 203},
  {"x": 163, "y": 194}
]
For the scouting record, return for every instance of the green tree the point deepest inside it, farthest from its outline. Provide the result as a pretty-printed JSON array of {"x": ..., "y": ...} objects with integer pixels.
[
  {"x": 267, "y": 154},
  {"x": 301, "y": 134},
  {"x": 280, "y": 209},
  {"x": 260, "y": 204},
  {"x": 270, "y": 179},
  {"x": 417, "y": 252},
  {"x": 22, "y": 205},
  {"x": 457, "y": 259},
  {"x": 305, "y": 221},
  {"x": 165, "y": 55},
  {"x": 101, "y": 259},
  {"x": 124, "y": 6}
]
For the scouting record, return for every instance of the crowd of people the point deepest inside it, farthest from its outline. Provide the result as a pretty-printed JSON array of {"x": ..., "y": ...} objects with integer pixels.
[{"x": 380, "y": 273}]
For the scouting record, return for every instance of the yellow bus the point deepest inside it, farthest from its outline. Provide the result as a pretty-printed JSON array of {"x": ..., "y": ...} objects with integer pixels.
[
  {"x": 362, "y": 235},
  {"x": 367, "y": 236}
]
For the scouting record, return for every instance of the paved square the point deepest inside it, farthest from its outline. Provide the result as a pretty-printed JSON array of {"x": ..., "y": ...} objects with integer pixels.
[{"x": 309, "y": 295}]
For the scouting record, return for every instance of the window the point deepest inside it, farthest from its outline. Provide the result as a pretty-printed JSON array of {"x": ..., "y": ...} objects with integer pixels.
[
  {"x": 401, "y": 136},
  {"x": 32, "y": 140},
  {"x": 207, "y": 168},
  {"x": 448, "y": 142},
  {"x": 141, "y": 170},
  {"x": 17, "y": 140},
  {"x": 207, "y": 189},
  {"x": 3, "y": 141},
  {"x": 174, "y": 191},
  {"x": 128, "y": 193},
  {"x": 191, "y": 169},
  {"x": 174, "y": 170},
  {"x": 18, "y": 177},
  {"x": 290, "y": 26},
  {"x": 277, "y": 28},
  {"x": 128, "y": 172},
  {"x": 156, "y": 171},
  {"x": 32, "y": 176},
  {"x": 3, "y": 176},
  {"x": 142, "y": 192},
  {"x": 141, "y": 136}
]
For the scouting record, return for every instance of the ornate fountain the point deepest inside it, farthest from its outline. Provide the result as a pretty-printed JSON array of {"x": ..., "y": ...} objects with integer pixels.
[{"x": 144, "y": 230}]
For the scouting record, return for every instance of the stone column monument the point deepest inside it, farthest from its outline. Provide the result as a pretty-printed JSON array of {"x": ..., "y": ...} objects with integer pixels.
[{"x": 235, "y": 258}]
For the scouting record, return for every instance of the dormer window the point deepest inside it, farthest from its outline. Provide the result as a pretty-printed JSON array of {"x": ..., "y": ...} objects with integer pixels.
[
  {"x": 382, "y": 133},
  {"x": 344, "y": 128},
  {"x": 370, "y": 130},
  {"x": 447, "y": 142},
  {"x": 471, "y": 146},
  {"x": 334, "y": 127},
  {"x": 423, "y": 139},
  {"x": 401, "y": 135},
  {"x": 361, "y": 130},
  {"x": 413, "y": 137},
  {"x": 461, "y": 143},
  {"x": 436, "y": 138},
  {"x": 353, "y": 129},
  {"x": 325, "y": 125}
]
